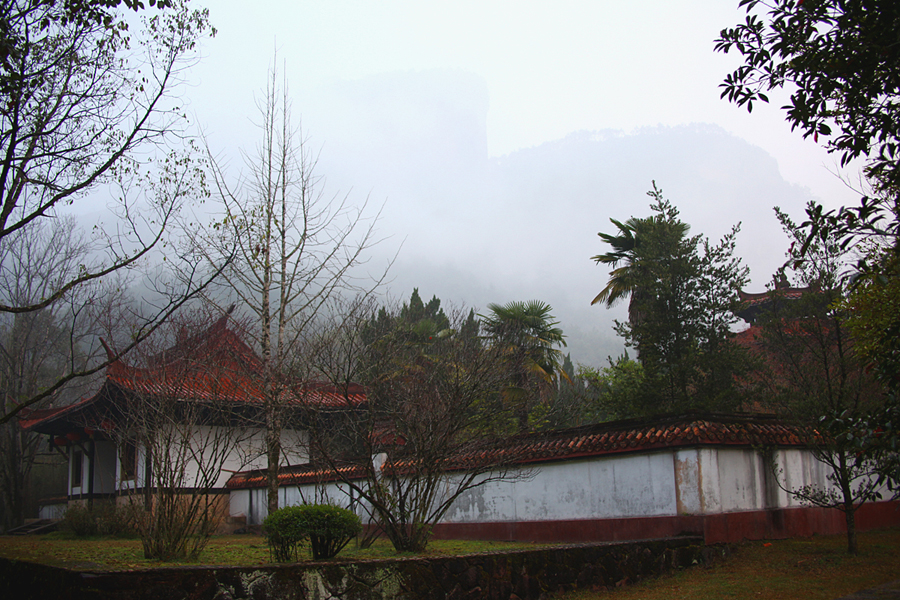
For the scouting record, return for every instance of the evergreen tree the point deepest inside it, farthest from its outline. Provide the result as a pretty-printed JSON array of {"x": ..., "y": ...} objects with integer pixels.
[
  {"x": 612, "y": 392},
  {"x": 566, "y": 407},
  {"x": 684, "y": 290}
]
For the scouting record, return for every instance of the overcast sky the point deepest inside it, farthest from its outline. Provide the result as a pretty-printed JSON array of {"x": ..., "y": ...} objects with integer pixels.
[
  {"x": 396, "y": 93},
  {"x": 550, "y": 68}
]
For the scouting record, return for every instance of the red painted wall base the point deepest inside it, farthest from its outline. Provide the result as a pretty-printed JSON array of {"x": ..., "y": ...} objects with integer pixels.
[{"x": 726, "y": 527}]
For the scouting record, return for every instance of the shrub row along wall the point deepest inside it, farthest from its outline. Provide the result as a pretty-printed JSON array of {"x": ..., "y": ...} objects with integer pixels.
[{"x": 524, "y": 575}]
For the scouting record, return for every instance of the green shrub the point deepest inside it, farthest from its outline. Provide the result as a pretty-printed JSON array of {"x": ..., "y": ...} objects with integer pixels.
[
  {"x": 285, "y": 533},
  {"x": 330, "y": 528},
  {"x": 105, "y": 519},
  {"x": 79, "y": 521},
  {"x": 327, "y": 528}
]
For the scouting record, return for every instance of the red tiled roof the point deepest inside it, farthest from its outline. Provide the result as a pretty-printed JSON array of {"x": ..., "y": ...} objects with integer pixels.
[
  {"x": 298, "y": 475},
  {"x": 227, "y": 370},
  {"x": 221, "y": 383},
  {"x": 593, "y": 440},
  {"x": 628, "y": 437},
  {"x": 213, "y": 366},
  {"x": 327, "y": 395},
  {"x": 30, "y": 418}
]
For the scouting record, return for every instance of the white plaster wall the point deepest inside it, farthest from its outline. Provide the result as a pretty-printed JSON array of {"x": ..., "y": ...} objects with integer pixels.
[
  {"x": 688, "y": 481},
  {"x": 741, "y": 480},
  {"x": 683, "y": 481},
  {"x": 104, "y": 467},
  {"x": 223, "y": 451},
  {"x": 798, "y": 468},
  {"x": 710, "y": 497},
  {"x": 250, "y": 452},
  {"x": 487, "y": 501},
  {"x": 717, "y": 480},
  {"x": 328, "y": 493},
  {"x": 239, "y": 504},
  {"x": 606, "y": 487},
  {"x": 52, "y": 511}
]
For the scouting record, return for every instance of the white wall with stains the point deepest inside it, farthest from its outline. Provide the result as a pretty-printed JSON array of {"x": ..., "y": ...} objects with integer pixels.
[{"x": 683, "y": 481}]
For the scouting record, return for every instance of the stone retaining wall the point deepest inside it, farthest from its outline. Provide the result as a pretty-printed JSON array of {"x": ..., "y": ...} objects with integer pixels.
[{"x": 518, "y": 575}]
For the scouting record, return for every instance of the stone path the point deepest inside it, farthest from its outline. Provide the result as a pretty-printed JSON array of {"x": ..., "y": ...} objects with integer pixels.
[{"x": 888, "y": 591}]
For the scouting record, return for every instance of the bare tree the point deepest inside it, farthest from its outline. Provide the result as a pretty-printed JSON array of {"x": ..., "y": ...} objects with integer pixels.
[
  {"x": 296, "y": 251},
  {"x": 88, "y": 112},
  {"x": 435, "y": 424},
  {"x": 37, "y": 347},
  {"x": 180, "y": 427}
]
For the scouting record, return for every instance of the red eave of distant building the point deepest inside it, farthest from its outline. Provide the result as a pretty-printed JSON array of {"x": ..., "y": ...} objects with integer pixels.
[
  {"x": 753, "y": 304},
  {"x": 791, "y": 293}
]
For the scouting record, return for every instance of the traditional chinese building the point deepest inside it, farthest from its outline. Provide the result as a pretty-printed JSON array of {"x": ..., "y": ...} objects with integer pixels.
[{"x": 212, "y": 383}]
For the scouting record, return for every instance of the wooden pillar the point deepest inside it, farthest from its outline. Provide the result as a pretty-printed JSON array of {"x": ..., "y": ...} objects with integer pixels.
[
  {"x": 91, "y": 456},
  {"x": 148, "y": 478}
]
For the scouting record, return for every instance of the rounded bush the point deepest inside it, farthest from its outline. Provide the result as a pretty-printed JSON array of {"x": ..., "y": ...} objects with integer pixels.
[
  {"x": 285, "y": 533},
  {"x": 79, "y": 521},
  {"x": 327, "y": 528},
  {"x": 330, "y": 528}
]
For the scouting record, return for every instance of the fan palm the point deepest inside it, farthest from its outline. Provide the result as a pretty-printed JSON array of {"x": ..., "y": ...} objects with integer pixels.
[
  {"x": 628, "y": 247},
  {"x": 529, "y": 337},
  {"x": 624, "y": 245}
]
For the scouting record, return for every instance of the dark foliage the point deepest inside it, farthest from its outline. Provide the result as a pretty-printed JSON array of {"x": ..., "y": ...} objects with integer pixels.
[{"x": 841, "y": 61}]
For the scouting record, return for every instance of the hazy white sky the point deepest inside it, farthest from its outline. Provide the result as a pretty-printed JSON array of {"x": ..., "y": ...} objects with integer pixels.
[{"x": 550, "y": 68}]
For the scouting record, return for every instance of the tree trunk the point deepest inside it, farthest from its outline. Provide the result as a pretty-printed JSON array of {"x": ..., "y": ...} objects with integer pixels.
[
  {"x": 273, "y": 455},
  {"x": 850, "y": 516},
  {"x": 849, "y": 507}
]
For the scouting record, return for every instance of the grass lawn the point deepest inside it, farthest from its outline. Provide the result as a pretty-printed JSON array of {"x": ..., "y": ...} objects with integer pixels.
[
  {"x": 814, "y": 568},
  {"x": 240, "y": 550}
]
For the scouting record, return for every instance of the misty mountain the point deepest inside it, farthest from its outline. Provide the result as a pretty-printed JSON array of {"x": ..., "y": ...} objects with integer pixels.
[{"x": 477, "y": 229}]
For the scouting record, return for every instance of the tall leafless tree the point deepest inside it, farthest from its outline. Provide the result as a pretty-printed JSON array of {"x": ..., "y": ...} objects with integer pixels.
[
  {"x": 37, "y": 347},
  {"x": 296, "y": 250}
]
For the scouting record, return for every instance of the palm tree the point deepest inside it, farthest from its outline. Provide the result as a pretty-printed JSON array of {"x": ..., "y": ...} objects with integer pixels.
[
  {"x": 530, "y": 337},
  {"x": 629, "y": 247},
  {"x": 621, "y": 279}
]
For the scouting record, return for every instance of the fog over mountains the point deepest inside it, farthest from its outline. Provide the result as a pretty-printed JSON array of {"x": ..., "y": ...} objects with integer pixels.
[{"x": 476, "y": 229}]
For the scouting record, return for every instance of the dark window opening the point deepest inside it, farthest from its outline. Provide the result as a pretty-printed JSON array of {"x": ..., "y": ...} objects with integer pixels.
[
  {"x": 77, "y": 463},
  {"x": 129, "y": 461}
]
